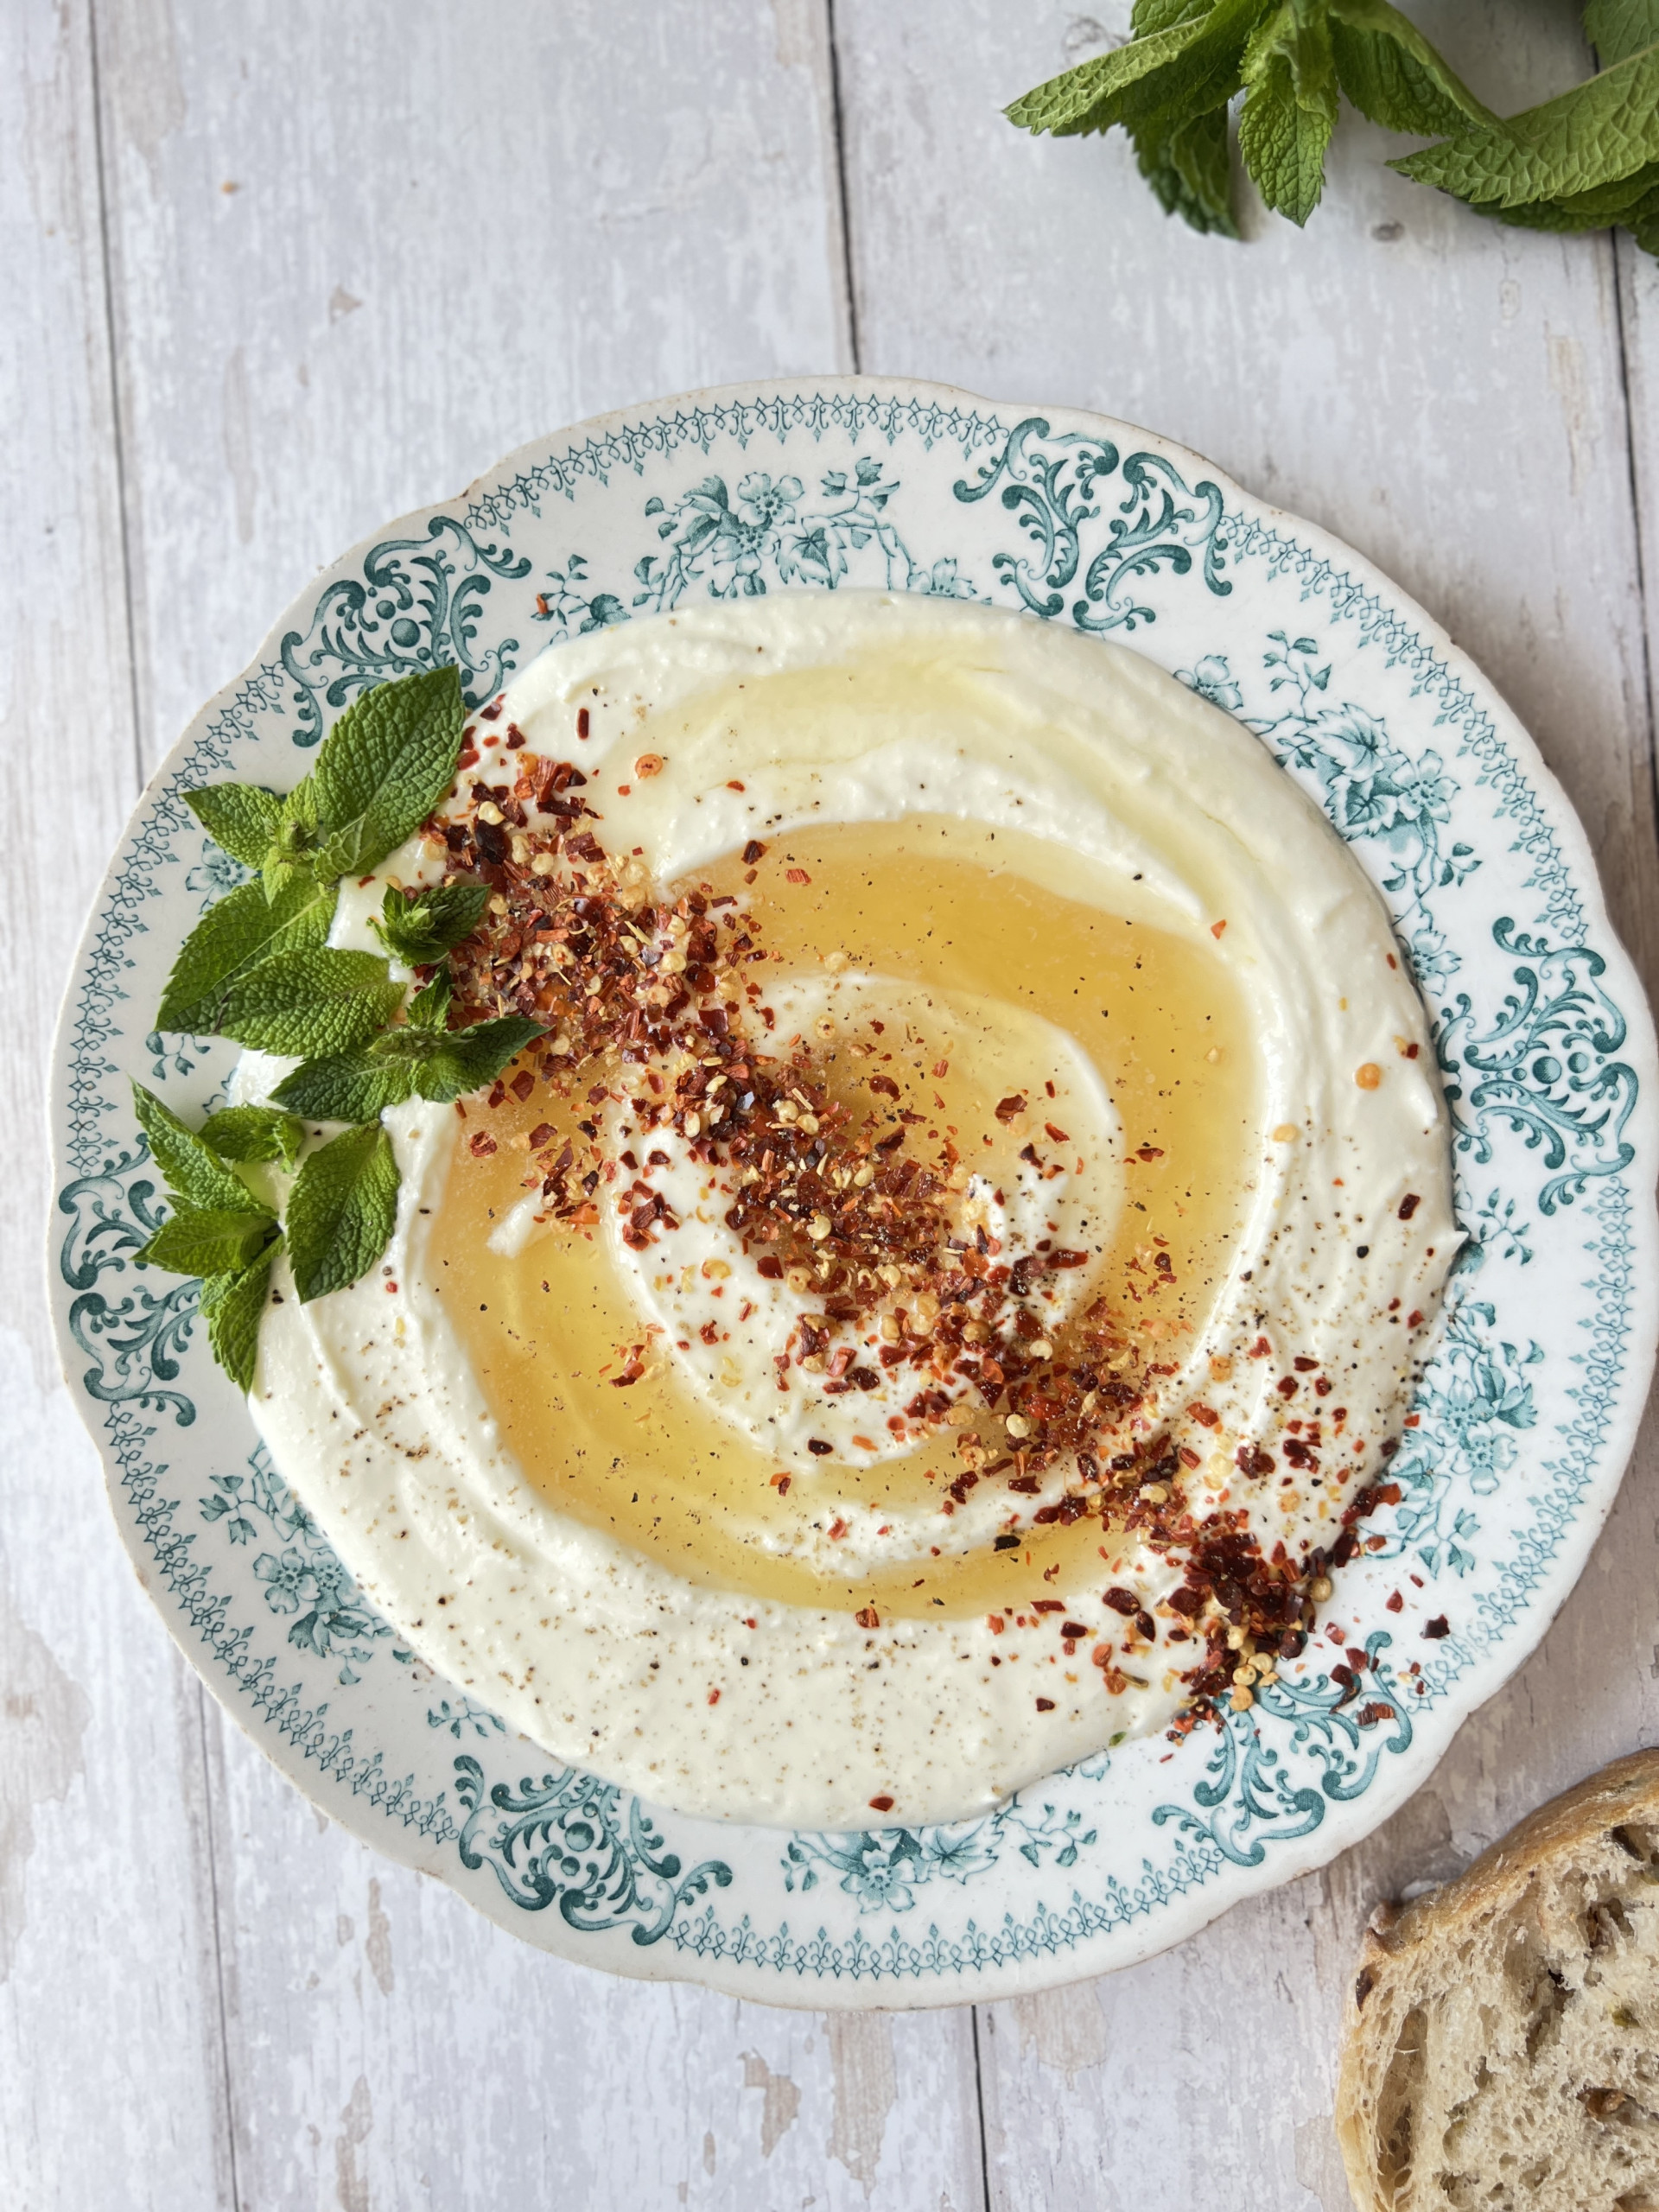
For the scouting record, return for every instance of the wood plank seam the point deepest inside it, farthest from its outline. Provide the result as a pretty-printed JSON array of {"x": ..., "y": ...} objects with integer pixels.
[
  {"x": 213, "y": 1796},
  {"x": 979, "y": 2115},
  {"x": 122, "y": 486},
  {"x": 128, "y": 615},
  {"x": 848, "y": 276},
  {"x": 1621, "y": 247}
]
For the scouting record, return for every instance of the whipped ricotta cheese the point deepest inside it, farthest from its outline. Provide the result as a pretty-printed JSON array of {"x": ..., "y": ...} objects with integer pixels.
[{"x": 1107, "y": 778}]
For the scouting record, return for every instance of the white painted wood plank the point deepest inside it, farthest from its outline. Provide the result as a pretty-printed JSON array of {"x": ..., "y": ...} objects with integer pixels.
[
  {"x": 107, "y": 1951},
  {"x": 636, "y": 200},
  {"x": 1448, "y": 396},
  {"x": 361, "y": 253},
  {"x": 1639, "y": 281},
  {"x": 389, "y": 2046}
]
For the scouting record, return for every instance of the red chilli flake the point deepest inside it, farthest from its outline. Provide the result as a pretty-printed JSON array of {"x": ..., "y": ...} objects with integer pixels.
[
  {"x": 881, "y": 1804},
  {"x": 1044, "y": 1705},
  {"x": 644, "y": 1002}
]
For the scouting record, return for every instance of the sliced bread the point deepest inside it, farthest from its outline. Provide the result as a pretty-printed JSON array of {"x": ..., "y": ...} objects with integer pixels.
[{"x": 1501, "y": 2041}]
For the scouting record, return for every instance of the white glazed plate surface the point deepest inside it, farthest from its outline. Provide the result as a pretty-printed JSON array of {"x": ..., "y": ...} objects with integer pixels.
[{"x": 1519, "y": 1432}]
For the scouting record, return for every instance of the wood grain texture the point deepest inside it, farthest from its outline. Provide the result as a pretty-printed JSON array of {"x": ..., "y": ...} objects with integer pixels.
[
  {"x": 1471, "y": 407},
  {"x": 389, "y": 2048},
  {"x": 357, "y": 255},
  {"x": 452, "y": 228},
  {"x": 106, "y": 1926}
]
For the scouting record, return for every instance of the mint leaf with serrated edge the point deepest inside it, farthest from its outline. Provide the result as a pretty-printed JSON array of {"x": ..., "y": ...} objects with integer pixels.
[
  {"x": 429, "y": 1008},
  {"x": 1618, "y": 29},
  {"x": 1189, "y": 168},
  {"x": 413, "y": 1061},
  {"x": 233, "y": 937},
  {"x": 346, "y": 1087},
  {"x": 313, "y": 1000},
  {"x": 1597, "y": 133},
  {"x": 1290, "y": 108},
  {"x": 1556, "y": 167},
  {"x": 253, "y": 1132},
  {"x": 421, "y": 930},
  {"x": 1391, "y": 73},
  {"x": 292, "y": 854},
  {"x": 1183, "y": 69},
  {"x": 384, "y": 765},
  {"x": 341, "y": 1212},
  {"x": 234, "y": 1305},
  {"x": 468, "y": 1058},
  {"x": 194, "y": 1242},
  {"x": 192, "y": 1173},
  {"x": 1147, "y": 16},
  {"x": 240, "y": 817}
]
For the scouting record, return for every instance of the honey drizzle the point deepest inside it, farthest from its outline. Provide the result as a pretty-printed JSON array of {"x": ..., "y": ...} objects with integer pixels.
[{"x": 942, "y": 904}]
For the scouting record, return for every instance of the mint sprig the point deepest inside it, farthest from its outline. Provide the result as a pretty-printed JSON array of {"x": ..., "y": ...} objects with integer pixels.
[
  {"x": 1582, "y": 162},
  {"x": 406, "y": 1063},
  {"x": 231, "y": 941},
  {"x": 195, "y": 1176},
  {"x": 217, "y": 1229},
  {"x": 419, "y": 932},
  {"x": 313, "y": 1000},
  {"x": 257, "y": 968}
]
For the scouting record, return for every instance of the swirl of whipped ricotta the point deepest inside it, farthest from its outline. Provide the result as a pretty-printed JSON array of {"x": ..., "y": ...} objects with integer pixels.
[{"x": 1141, "y": 801}]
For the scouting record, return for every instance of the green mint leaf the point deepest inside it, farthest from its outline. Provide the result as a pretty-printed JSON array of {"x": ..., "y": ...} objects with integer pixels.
[
  {"x": 1183, "y": 70},
  {"x": 1605, "y": 129},
  {"x": 384, "y": 765},
  {"x": 1618, "y": 29},
  {"x": 429, "y": 1009},
  {"x": 253, "y": 1132},
  {"x": 1631, "y": 200},
  {"x": 312, "y": 1001},
  {"x": 233, "y": 1307},
  {"x": 234, "y": 937},
  {"x": 1190, "y": 169},
  {"x": 240, "y": 817},
  {"x": 1148, "y": 15},
  {"x": 292, "y": 854},
  {"x": 194, "y": 1242},
  {"x": 1391, "y": 73},
  {"x": 468, "y": 1058},
  {"x": 1290, "y": 107},
  {"x": 346, "y": 1087},
  {"x": 342, "y": 1210},
  {"x": 421, "y": 930},
  {"x": 193, "y": 1175}
]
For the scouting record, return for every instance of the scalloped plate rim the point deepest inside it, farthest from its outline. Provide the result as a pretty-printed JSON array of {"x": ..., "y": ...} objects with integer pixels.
[{"x": 1346, "y": 1822}]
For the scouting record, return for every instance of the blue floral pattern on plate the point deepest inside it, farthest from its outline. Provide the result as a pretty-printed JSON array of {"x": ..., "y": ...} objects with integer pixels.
[{"x": 1524, "y": 1414}]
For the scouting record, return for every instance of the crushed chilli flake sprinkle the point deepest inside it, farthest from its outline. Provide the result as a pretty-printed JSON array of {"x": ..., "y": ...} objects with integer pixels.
[{"x": 643, "y": 996}]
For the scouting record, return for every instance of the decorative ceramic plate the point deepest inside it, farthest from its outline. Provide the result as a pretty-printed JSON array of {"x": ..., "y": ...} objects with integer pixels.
[{"x": 1525, "y": 1416}]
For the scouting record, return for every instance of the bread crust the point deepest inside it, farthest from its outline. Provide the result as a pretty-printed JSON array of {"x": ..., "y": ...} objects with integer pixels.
[{"x": 1626, "y": 1792}]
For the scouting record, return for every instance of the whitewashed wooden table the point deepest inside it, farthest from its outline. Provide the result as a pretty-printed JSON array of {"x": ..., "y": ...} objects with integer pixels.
[{"x": 275, "y": 273}]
